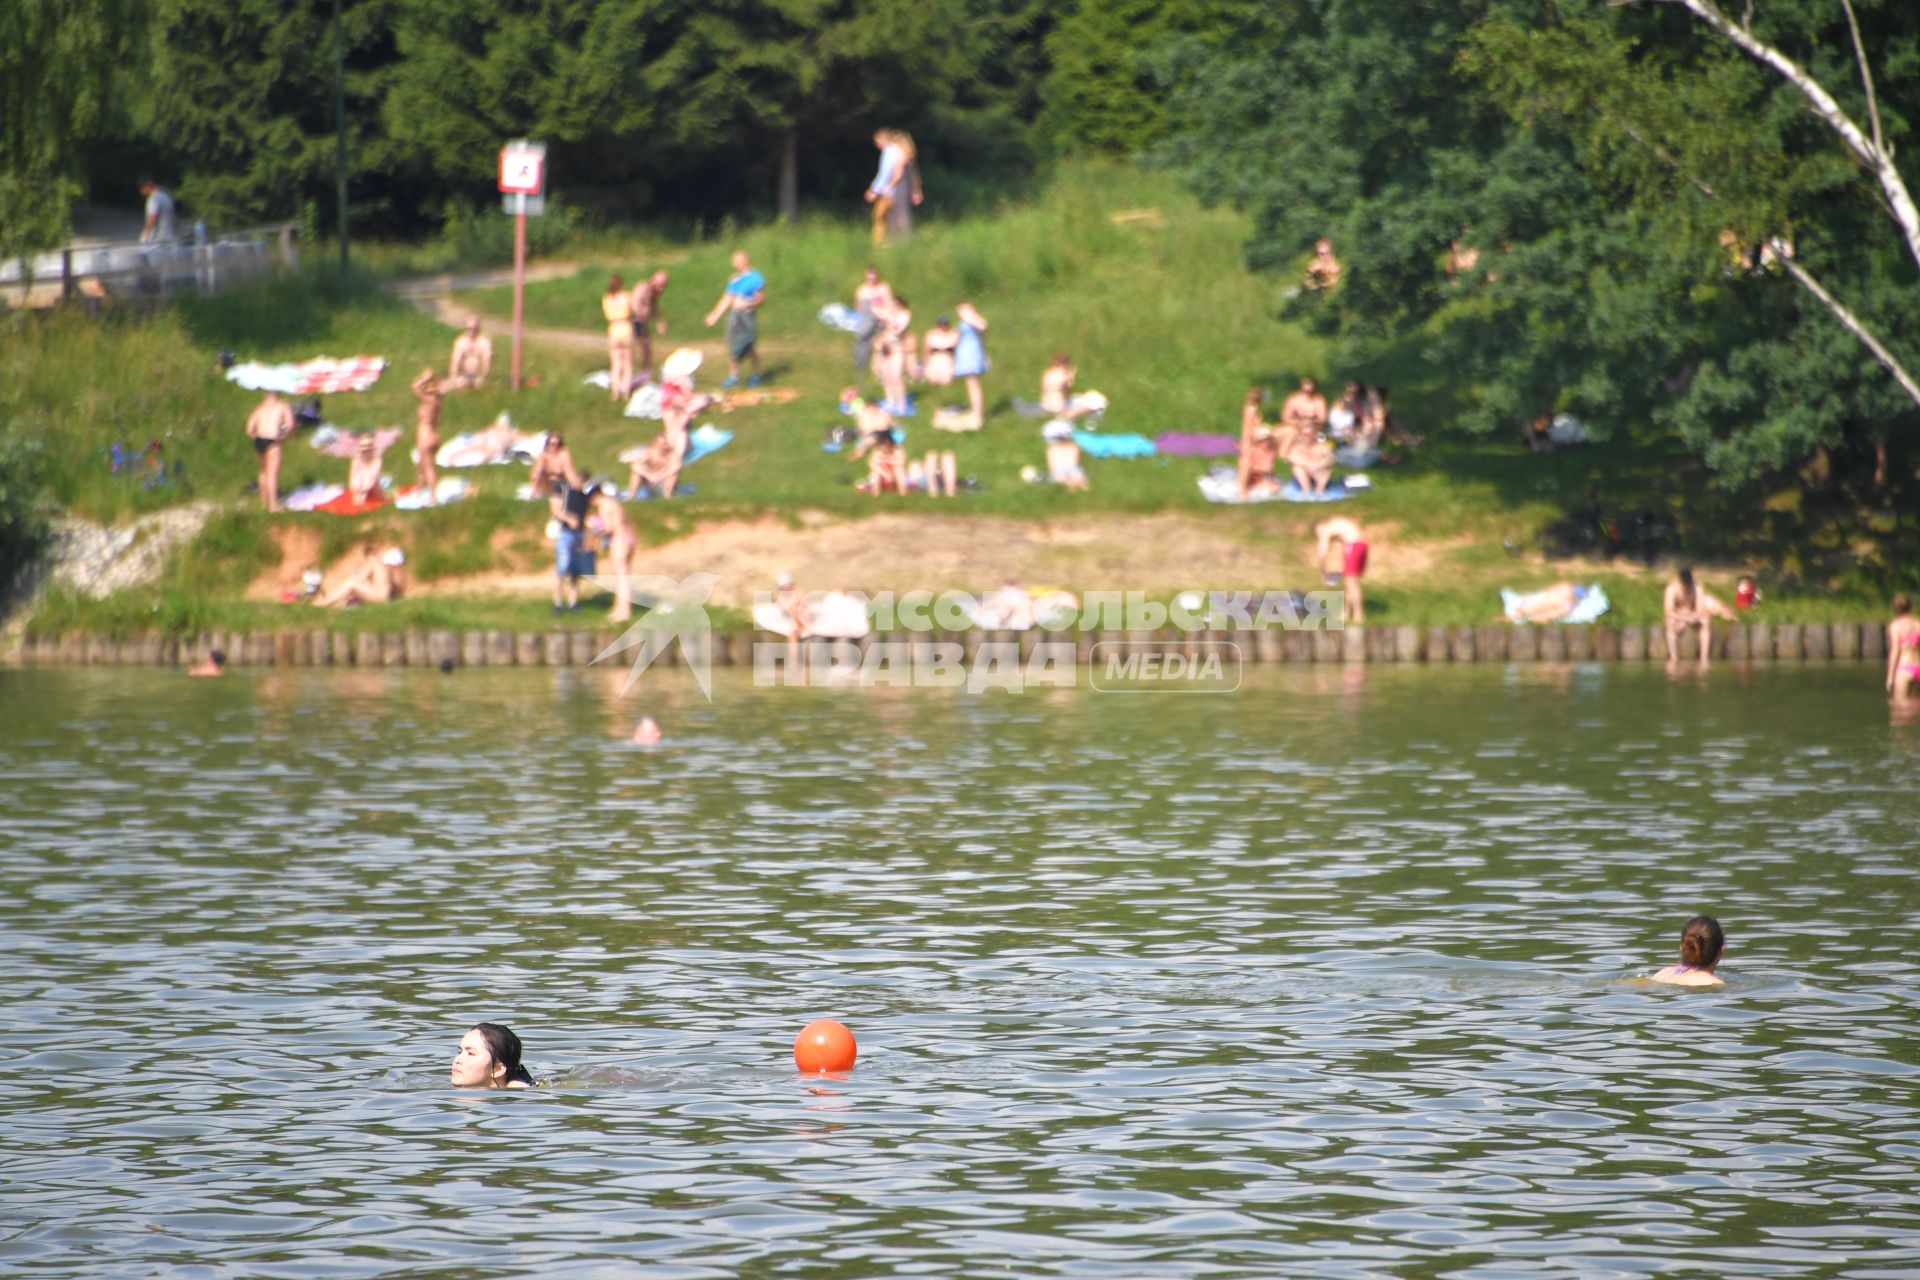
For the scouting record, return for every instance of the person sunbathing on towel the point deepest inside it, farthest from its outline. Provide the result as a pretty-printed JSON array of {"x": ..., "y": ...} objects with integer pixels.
[
  {"x": 1064, "y": 467},
  {"x": 553, "y": 470},
  {"x": 1549, "y": 604},
  {"x": 372, "y": 577}
]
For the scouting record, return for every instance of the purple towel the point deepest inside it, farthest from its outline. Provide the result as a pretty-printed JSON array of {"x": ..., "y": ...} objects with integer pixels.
[{"x": 1197, "y": 446}]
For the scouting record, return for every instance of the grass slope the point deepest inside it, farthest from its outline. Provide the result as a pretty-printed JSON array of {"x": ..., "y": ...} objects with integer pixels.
[{"x": 1142, "y": 286}]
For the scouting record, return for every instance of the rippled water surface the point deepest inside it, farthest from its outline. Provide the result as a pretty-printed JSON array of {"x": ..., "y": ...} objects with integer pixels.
[{"x": 1332, "y": 977}]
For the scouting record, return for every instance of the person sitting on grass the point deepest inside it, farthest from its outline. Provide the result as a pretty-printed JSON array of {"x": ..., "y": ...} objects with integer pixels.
[
  {"x": 941, "y": 343},
  {"x": 657, "y": 469},
  {"x": 363, "y": 473},
  {"x": 1702, "y": 943},
  {"x": 1323, "y": 271},
  {"x": 1259, "y": 448},
  {"x": 472, "y": 359},
  {"x": 1057, "y": 395},
  {"x": 870, "y": 421},
  {"x": 886, "y": 464},
  {"x": 370, "y": 577},
  {"x": 214, "y": 664},
  {"x": 938, "y": 475},
  {"x": 1687, "y": 606},
  {"x": 553, "y": 470},
  {"x": 1064, "y": 467}
]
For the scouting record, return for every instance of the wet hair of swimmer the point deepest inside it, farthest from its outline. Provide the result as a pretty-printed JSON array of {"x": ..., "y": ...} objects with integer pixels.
[
  {"x": 446, "y": 666},
  {"x": 218, "y": 657},
  {"x": 1701, "y": 942},
  {"x": 504, "y": 1048},
  {"x": 1902, "y": 605}
]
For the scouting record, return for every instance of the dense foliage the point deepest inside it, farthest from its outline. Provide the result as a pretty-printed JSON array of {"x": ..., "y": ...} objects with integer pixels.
[{"x": 1611, "y": 172}]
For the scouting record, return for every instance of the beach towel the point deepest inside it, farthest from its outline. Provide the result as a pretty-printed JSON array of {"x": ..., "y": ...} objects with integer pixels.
[
  {"x": 309, "y": 496},
  {"x": 1115, "y": 446},
  {"x": 322, "y": 374},
  {"x": 838, "y": 315},
  {"x": 344, "y": 505},
  {"x": 644, "y": 403},
  {"x": 1590, "y": 606},
  {"x": 1186, "y": 444},
  {"x": 1222, "y": 485},
  {"x": 477, "y": 449},
  {"x": 834, "y": 616},
  {"x": 448, "y": 489}
]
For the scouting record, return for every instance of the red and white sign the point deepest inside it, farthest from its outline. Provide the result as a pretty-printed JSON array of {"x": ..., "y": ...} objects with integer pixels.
[{"x": 523, "y": 168}]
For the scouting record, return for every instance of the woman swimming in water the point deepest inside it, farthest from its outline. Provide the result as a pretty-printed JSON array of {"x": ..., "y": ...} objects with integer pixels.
[
  {"x": 1701, "y": 942},
  {"x": 489, "y": 1058}
]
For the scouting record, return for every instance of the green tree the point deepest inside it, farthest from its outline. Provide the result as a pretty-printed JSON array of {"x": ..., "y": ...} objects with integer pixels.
[
  {"x": 57, "y": 68},
  {"x": 1593, "y": 158},
  {"x": 1101, "y": 93},
  {"x": 242, "y": 98}
]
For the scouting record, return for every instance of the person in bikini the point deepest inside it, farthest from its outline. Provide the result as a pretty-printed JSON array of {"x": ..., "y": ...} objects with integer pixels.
[
  {"x": 1064, "y": 466},
  {"x": 472, "y": 358},
  {"x": 1903, "y": 650},
  {"x": 1259, "y": 451},
  {"x": 1352, "y": 541},
  {"x": 427, "y": 390},
  {"x": 363, "y": 473},
  {"x": 1702, "y": 943},
  {"x": 1302, "y": 418},
  {"x": 268, "y": 426}
]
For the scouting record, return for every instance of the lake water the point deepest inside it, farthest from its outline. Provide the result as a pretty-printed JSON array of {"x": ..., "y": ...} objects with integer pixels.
[{"x": 1328, "y": 978}]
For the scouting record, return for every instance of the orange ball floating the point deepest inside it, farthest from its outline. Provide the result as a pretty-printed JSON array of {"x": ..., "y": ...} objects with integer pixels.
[{"x": 823, "y": 1047}]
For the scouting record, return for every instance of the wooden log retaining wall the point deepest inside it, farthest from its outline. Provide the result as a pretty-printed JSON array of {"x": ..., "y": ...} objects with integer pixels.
[{"x": 1744, "y": 642}]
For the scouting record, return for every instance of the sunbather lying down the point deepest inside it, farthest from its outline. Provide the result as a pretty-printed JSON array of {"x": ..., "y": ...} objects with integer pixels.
[
  {"x": 1561, "y": 602},
  {"x": 367, "y": 576}
]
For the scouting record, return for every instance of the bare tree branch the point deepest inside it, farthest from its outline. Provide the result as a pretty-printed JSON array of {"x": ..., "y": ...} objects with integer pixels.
[
  {"x": 1870, "y": 150},
  {"x": 1782, "y": 251},
  {"x": 1866, "y": 77}
]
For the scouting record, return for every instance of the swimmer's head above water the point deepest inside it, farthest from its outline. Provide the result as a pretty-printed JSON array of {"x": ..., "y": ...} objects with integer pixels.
[
  {"x": 1702, "y": 941},
  {"x": 489, "y": 1058}
]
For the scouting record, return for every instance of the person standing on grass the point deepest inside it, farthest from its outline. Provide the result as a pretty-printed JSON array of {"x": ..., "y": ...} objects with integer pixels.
[
  {"x": 740, "y": 304},
  {"x": 648, "y": 322},
  {"x": 895, "y": 188},
  {"x": 268, "y": 426},
  {"x": 970, "y": 360},
  {"x": 1352, "y": 541},
  {"x": 426, "y": 432},
  {"x": 616, "y": 304}
]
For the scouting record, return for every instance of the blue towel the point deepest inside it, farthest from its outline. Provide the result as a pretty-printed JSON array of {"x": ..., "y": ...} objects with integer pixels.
[
  {"x": 1096, "y": 445},
  {"x": 703, "y": 441}
]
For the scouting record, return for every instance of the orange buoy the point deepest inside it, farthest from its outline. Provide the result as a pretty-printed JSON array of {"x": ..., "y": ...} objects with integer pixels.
[{"x": 824, "y": 1046}]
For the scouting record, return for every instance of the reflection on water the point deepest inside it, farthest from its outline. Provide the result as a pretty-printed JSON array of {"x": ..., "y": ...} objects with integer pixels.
[{"x": 1329, "y": 978}]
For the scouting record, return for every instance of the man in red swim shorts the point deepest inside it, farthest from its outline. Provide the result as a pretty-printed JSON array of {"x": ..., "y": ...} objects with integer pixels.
[{"x": 1352, "y": 541}]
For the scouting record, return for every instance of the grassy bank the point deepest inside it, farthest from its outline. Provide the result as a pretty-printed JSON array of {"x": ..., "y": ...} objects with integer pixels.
[{"x": 1145, "y": 289}]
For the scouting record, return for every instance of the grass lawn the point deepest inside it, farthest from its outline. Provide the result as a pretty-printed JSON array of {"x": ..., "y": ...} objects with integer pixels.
[{"x": 1143, "y": 287}]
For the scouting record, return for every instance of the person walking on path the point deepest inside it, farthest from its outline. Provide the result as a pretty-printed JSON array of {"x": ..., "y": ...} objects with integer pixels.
[
  {"x": 740, "y": 304},
  {"x": 163, "y": 221},
  {"x": 268, "y": 426}
]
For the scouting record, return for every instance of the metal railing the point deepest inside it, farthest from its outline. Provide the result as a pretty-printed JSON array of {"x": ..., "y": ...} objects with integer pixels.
[{"x": 135, "y": 270}]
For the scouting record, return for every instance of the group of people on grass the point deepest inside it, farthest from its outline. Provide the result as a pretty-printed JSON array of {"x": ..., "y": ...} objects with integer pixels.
[
  {"x": 884, "y": 344},
  {"x": 1311, "y": 437}
]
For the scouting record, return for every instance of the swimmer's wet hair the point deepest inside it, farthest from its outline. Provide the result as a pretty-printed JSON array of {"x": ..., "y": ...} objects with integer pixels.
[
  {"x": 504, "y": 1048},
  {"x": 1901, "y": 604},
  {"x": 1701, "y": 941},
  {"x": 218, "y": 657}
]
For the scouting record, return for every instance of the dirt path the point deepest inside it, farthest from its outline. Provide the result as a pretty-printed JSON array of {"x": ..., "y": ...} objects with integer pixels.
[{"x": 905, "y": 551}]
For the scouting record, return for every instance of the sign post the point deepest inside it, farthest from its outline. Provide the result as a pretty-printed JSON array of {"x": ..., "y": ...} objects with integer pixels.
[{"x": 523, "y": 183}]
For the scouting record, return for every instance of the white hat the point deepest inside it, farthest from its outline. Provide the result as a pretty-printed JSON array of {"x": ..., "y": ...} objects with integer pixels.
[
  {"x": 680, "y": 364},
  {"x": 394, "y": 556},
  {"x": 784, "y": 580}
]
